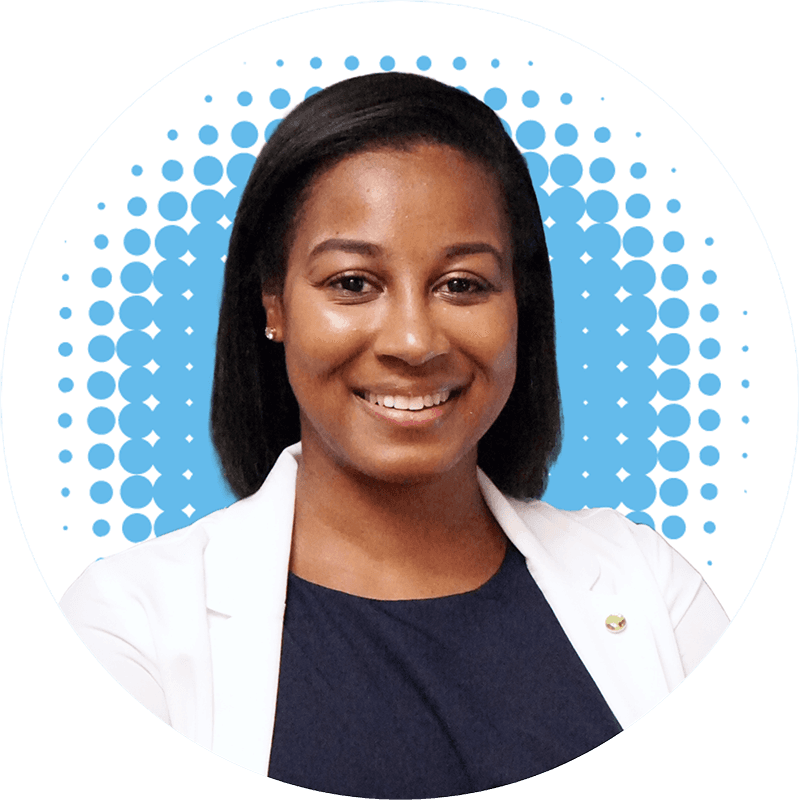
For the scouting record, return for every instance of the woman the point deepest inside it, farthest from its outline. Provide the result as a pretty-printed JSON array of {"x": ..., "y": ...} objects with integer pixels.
[{"x": 390, "y": 611}]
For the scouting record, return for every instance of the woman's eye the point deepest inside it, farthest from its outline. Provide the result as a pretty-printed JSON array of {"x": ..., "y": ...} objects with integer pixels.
[
  {"x": 464, "y": 286},
  {"x": 353, "y": 284}
]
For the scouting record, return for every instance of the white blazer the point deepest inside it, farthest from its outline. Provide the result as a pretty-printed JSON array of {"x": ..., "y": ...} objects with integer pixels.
[{"x": 191, "y": 623}]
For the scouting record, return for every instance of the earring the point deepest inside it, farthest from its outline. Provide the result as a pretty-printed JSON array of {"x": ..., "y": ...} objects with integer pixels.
[{"x": 270, "y": 332}]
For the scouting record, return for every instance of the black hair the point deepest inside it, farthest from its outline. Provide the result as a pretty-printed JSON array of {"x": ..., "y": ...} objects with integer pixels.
[{"x": 254, "y": 414}]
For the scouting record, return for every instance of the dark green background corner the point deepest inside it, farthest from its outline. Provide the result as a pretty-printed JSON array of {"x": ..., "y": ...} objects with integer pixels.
[{"x": 70, "y": 68}]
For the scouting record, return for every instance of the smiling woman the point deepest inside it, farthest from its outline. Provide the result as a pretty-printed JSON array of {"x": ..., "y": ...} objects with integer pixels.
[{"x": 390, "y": 610}]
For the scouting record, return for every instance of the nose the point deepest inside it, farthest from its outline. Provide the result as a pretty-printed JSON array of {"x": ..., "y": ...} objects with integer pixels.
[{"x": 410, "y": 330}]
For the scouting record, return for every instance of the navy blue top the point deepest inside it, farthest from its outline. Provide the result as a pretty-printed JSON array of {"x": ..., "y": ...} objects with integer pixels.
[{"x": 429, "y": 698}]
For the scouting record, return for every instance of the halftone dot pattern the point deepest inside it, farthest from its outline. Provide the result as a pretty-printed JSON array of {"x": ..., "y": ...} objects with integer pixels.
[{"x": 627, "y": 352}]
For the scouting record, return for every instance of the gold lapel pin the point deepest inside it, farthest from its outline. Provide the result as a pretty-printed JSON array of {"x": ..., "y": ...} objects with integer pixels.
[{"x": 616, "y": 623}]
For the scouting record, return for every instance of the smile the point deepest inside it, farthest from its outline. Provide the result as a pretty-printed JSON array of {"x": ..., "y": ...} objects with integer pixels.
[{"x": 405, "y": 402}]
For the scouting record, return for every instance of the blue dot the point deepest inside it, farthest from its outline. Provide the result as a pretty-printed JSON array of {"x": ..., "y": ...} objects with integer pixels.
[
  {"x": 239, "y": 169},
  {"x": 136, "y": 491},
  {"x": 101, "y": 277},
  {"x": 744, "y": 455},
  {"x": 530, "y": 134},
  {"x": 65, "y": 277},
  {"x": 708, "y": 491},
  {"x": 709, "y": 563},
  {"x": 279, "y": 62},
  {"x": 136, "y": 277},
  {"x": 673, "y": 492},
  {"x": 537, "y": 166},
  {"x": 637, "y": 241},
  {"x": 459, "y": 63},
  {"x": 172, "y": 170},
  {"x": 387, "y": 63},
  {"x": 673, "y": 384},
  {"x": 172, "y": 135},
  {"x": 101, "y": 420},
  {"x": 602, "y": 170},
  {"x": 709, "y": 276},
  {"x": 312, "y": 90},
  {"x": 208, "y": 206},
  {"x": 638, "y": 170},
  {"x": 673, "y": 206},
  {"x": 709, "y": 241},
  {"x": 101, "y": 456},
  {"x": 101, "y": 206},
  {"x": 65, "y": 492},
  {"x": 745, "y": 420},
  {"x": 136, "y": 456},
  {"x": 746, "y": 384},
  {"x": 136, "y": 169},
  {"x": 136, "y": 420},
  {"x": 65, "y": 313},
  {"x": 566, "y": 135},
  {"x": 208, "y": 134},
  {"x": 65, "y": 420},
  {"x": 136, "y": 242},
  {"x": 65, "y": 456},
  {"x": 673, "y": 455},
  {"x": 602, "y": 206},
  {"x": 530, "y": 99},
  {"x": 566, "y": 98},
  {"x": 673, "y": 242},
  {"x": 101, "y": 312},
  {"x": 673, "y": 312},
  {"x": 566, "y": 169},
  {"x": 709, "y": 420},
  {"x": 208, "y": 170},
  {"x": 709, "y": 456},
  {"x": 101, "y": 528},
  {"x": 315, "y": 62},
  {"x": 66, "y": 527},
  {"x": 745, "y": 349},
  {"x": 709, "y": 527},
  {"x": 136, "y": 528},
  {"x": 101, "y": 242},
  {"x": 136, "y": 313},
  {"x": 65, "y": 349},
  {"x": 673, "y": 420},
  {"x": 101, "y": 348},
  {"x": 351, "y": 62},
  {"x": 495, "y": 62},
  {"x": 709, "y": 348},
  {"x": 495, "y": 98},
  {"x": 709, "y": 312},
  {"x": 709, "y": 384},
  {"x": 638, "y": 134},
  {"x": 135, "y": 348},
  {"x": 674, "y": 277},
  {"x": 65, "y": 385},
  {"x": 208, "y": 98},
  {"x": 137, "y": 206},
  {"x": 673, "y": 349},
  {"x": 673, "y": 527},
  {"x": 101, "y": 385},
  {"x": 244, "y": 134},
  {"x": 637, "y": 206},
  {"x": 101, "y": 492},
  {"x": 602, "y": 134},
  {"x": 172, "y": 206}
]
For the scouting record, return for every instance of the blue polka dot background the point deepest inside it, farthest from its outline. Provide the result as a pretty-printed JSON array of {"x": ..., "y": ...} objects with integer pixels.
[{"x": 674, "y": 347}]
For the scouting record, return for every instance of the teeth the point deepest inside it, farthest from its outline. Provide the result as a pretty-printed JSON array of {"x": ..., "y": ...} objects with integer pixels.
[{"x": 404, "y": 402}]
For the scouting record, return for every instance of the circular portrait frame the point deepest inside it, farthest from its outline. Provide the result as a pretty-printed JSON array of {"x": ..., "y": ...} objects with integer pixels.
[{"x": 613, "y": 744}]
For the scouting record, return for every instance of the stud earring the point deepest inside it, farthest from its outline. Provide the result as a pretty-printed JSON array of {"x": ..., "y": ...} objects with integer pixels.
[{"x": 270, "y": 332}]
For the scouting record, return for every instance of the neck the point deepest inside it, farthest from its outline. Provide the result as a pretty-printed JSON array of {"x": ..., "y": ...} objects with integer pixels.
[{"x": 393, "y": 540}]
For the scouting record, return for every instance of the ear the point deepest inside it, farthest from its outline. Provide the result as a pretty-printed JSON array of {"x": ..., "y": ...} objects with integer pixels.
[{"x": 273, "y": 306}]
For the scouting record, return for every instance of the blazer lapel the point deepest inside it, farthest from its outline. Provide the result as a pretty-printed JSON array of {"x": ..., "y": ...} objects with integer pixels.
[
  {"x": 585, "y": 578},
  {"x": 246, "y": 567}
]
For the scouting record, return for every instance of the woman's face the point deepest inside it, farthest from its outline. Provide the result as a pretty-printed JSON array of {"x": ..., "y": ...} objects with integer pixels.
[{"x": 398, "y": 314}]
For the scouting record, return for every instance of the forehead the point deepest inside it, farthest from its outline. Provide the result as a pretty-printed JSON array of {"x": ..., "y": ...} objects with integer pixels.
[{"x": 417, "y": 183}]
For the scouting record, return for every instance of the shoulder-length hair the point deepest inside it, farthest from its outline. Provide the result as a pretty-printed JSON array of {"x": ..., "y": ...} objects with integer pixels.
[{"x": 254, "y": 414}]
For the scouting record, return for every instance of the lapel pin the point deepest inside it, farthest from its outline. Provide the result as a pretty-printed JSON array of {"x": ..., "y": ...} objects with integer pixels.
[{"x": 616, "y": 623}]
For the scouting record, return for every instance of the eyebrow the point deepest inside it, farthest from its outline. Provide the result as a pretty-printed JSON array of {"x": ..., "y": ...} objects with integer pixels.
[{"x": 362, "y": 248}]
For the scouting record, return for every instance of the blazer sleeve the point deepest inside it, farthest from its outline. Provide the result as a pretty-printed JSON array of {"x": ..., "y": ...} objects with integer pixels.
[
  {"x": 697, "y": 617},
  {"x": 113, "y": 623}
]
